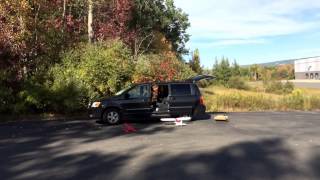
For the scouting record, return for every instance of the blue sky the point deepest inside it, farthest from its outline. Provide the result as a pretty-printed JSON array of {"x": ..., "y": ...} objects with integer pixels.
[{"x": 253, "y": 31}]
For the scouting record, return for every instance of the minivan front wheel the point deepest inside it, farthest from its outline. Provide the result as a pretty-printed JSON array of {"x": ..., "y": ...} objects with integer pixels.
[{"x": 111, "y": 116}]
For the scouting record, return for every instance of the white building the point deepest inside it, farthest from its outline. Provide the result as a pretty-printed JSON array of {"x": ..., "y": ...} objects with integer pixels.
[{"x": 307, "y": 68}]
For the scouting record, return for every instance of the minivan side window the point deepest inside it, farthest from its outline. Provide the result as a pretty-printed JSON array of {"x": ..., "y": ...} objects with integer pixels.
[
  {"x": 180, "y": 89},
  {"x": 141, "y": 91}
]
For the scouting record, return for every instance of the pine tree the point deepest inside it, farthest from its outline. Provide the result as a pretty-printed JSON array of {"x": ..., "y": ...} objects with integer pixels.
[
  {"x": 222, "y": 70},
  {"x": 195, "y": 62},
  {"x": 235, "y": 69}
]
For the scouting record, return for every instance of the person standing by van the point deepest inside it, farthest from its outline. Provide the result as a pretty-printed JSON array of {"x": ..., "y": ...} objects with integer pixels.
[{"x": 154, "y": 98}]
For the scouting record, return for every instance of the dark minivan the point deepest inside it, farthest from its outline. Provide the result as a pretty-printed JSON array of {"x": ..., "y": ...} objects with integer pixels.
[{"x": 154, "y": 99}]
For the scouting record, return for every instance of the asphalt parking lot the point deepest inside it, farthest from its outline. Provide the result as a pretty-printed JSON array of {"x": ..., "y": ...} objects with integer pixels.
[{"x": 252, "y": 146}]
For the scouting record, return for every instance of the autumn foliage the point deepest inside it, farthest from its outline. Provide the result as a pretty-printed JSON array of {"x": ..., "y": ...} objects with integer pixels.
[
  {"x": 42, "y": 41},
  {"x": 161, "y": 68},
  {"x": 114, "y": 21}
]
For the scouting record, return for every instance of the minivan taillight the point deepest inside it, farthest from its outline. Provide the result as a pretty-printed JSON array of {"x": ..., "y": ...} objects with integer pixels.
[{"x": 201, "y": 100}]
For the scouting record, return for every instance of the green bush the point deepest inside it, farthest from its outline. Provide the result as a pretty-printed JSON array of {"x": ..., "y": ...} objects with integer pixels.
[
  {"x": 278, "y": 87},
  {"x": 314, "y": 103},
  {"x": 6, "y": 99},
  {"x": 86, "y": 72},
  {"x": 295, "y": 100},
  {"x": 299, "y": 100},
  {"x": 68, "y": 96},
  {"x": 237, "y": 82},
  {"x": 288, "y": 87},
  {"x": 97, "y": 70},
  {"x": 33, "y": 98},
  {"x": 6, "y": 93},
  {"x": 273, "y": 87}
]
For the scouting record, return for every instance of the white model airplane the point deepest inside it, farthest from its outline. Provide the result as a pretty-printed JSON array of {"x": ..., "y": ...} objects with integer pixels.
[{"x": 178, "y": 121}]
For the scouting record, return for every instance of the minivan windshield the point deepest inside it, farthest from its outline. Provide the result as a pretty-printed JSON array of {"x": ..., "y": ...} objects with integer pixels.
[{"x": 123, "y": 90}]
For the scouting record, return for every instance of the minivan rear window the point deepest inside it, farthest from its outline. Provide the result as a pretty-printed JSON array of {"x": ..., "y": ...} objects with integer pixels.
[{"x": 180, "y": 89}]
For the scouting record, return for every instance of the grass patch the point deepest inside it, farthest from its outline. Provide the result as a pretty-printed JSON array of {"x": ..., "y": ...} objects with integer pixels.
[{"x": 218, "y": 98}]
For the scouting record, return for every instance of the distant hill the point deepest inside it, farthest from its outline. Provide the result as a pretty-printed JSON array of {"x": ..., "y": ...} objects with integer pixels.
[
  {"x": 282, "y": 62},
  {"x": 277, "y": 63}
]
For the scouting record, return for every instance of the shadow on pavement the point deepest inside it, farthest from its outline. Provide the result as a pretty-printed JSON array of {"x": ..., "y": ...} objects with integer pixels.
[
  {"x": 35, "y": 165},
  {"x": 209, "y": 115},
  {"x": 315, "y": 163},
  {"x": 206, "y": 116},
  {"x": 266, "y": 159},
  {"x": 41, "y": 150},
  {"x": 88, "y": 130}
]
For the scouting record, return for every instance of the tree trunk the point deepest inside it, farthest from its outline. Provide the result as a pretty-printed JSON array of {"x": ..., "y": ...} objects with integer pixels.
[
  {"x": 64, "y": 15},
  {"x": 90, "y": 18}
]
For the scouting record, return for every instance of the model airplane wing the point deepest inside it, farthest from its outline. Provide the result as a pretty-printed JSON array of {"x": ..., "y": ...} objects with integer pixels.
[{"x": 178, "y": 121}]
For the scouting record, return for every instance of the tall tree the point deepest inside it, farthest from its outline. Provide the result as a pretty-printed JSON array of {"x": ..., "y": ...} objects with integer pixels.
[
  {"x": 235, "y": 69},
  {"x": 140, "y": 22},
  {"x": 222, "y": 70},
  {"x": 90, "y": 20},
  {"x": 112, "y": 20},
  {"x": 161, "y": 16},
  {"x": 195, "y": 62},
  {"x": 33, "y": 33},
  {"x": 14, "y": 35}
]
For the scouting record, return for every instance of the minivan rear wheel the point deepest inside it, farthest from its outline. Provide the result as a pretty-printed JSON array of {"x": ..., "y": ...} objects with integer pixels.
[
  {"x": 197, "y": 112},
  {"x": 111, "y": 116}
]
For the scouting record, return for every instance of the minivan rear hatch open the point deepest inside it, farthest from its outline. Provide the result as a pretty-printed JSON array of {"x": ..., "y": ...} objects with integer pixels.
[{"x": 200, "y": 77}]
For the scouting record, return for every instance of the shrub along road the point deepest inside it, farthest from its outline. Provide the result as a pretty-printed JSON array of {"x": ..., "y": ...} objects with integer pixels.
[{"x": 270, "y": 145}]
